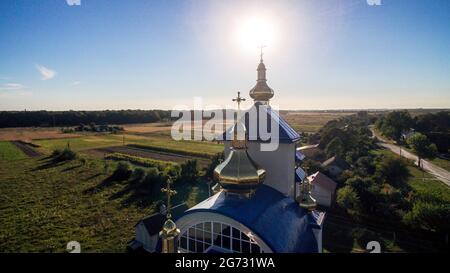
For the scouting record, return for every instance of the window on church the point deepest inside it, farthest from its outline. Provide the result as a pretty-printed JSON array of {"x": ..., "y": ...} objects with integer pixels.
[{"x": 207, "y": 236}]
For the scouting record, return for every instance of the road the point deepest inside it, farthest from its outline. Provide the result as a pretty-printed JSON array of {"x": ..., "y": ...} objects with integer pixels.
[{"x": 440, "y": 173}]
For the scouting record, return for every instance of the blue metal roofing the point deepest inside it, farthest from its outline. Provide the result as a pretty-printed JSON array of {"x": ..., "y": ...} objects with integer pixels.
[
  {"x": 275, "y": 218},
  {"x": 286, "y": 134},
  {"x": 300, "y": 174},
  {"x": 299, "y": 156}
]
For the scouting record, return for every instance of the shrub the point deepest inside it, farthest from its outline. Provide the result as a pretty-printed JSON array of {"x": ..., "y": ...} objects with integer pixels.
[
  {"x": 428, "y": 215},
  {"x": 215, "y": 160},
  {"x": 363, "y": 236},
  {"x": 152, "y": 182},
  {"x": 189, "y": 171},
  {"x": 138, "y": 174},
  {"x": 348, "y": 199},
  {"x": 123, "y": 171},
  {"x": 64, "y": 155},
  {"x": 144, "y": 162},
  {"x": 393, "y": 170}
]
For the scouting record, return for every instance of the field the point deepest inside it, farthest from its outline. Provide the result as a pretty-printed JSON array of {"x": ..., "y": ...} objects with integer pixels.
[
  {"x": 311, "y": 121},
  {"x": 9, "y": 152},
  {"x": 45, "y": 205}
]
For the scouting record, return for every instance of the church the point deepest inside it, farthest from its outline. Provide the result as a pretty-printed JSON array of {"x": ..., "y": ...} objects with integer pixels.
[{"x": 262, "y": 201}]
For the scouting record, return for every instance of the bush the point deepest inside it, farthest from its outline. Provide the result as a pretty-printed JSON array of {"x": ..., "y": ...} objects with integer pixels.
[
  {"x": 144, "y": 162},
  {"x": 393, "y": 170},
  {"x": 64, "y": 155},
  {"x": 189, "y": 171},
  {"x": 138, "y": 174},
  {"x": 123, "y": 171},
  {"x": 152, "y": 182},
  {"x": 363, "y": 236},
  {"x": 215, "y": 160},
  {"x": 428, "y": 215},
  {"x": 348, "y": 199}
]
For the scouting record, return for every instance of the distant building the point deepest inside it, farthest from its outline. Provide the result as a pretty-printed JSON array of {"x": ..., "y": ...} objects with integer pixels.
[
  {"x": 323, "y": 189},
  {"x": 309, "y": 151},
  {"x": 335, "y": 165},
  {"x": 407, "y": 134}
]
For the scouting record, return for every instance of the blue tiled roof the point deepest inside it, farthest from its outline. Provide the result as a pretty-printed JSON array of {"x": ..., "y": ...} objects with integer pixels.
[
  {"x": 286, "y": 134},
  {"x": 275, "y": 218},
  {"x": 300, "y": 174},
  {"x": 299, "y": 156}
]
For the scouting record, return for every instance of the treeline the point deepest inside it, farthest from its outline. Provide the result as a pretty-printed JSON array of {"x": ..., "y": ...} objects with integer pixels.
[
  {"x": 435, "y": 126},
  {"x": 73, "y": 118}
]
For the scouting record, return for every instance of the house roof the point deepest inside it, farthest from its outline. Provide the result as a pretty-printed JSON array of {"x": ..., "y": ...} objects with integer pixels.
[
  {"x": 286, "y": 134},
  {"x": 300, "y": 174},
  {"x": 277, "y": 219},
  {"x": 337, "y": 161},
  {"x": 323, "y": 181},
  {"x": 299, "y": 156},
  {"x": 153, "y": 223},
  {"x": 307, "y": 147}
]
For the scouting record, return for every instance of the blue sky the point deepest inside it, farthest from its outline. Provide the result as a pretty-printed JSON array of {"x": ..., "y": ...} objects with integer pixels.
[{"x": 158, "y": 54}]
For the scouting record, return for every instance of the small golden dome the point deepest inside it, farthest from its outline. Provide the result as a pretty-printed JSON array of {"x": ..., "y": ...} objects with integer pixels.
[
  {"x": 169, "y": 227},
  {"x": 238, "y": 173},
  {"x": 261, "y": 91}
]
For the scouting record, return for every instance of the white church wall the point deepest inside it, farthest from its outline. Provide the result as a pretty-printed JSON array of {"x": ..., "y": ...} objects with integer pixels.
[{"x": 279, "y": 165}]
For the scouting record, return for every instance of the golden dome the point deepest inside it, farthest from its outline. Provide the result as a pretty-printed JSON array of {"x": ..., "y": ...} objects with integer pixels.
[
  {"x": 169, "y": 227},
  {"x": 239, "y": 173},
  {"x": 261, "y": 91}
]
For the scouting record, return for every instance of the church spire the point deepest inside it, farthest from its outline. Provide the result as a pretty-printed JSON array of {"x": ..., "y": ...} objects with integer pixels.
[
  {"x": 261, "y": 92},
  {"x": 169, "y": 233},
  {"x": 238, "y": 173}
]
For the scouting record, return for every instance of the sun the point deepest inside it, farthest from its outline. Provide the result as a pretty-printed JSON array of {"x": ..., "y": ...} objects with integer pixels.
[{"x": 254, "y": 32}]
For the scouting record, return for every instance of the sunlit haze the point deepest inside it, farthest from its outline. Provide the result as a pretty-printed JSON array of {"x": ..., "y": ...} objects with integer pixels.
[{"x": 158, "y": 54}]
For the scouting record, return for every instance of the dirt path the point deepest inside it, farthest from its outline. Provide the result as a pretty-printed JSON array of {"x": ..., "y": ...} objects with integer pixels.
[
  {"x": 26, "y": 149},
  {"x": 440, "y": 173}
]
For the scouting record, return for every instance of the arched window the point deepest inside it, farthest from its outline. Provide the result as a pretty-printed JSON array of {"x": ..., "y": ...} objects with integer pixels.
[{"x": 216, "y": 237}]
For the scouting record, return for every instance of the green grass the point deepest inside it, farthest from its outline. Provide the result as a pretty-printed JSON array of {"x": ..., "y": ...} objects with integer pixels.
[
  {"x": 44, "y": 206},
  {"x": 440, "y": 162},
  {"x": 9, "y": 151},
  {"x": 157, "y": 140}
]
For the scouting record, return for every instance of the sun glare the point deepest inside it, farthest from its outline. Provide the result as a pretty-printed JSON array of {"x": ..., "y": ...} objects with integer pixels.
[{"x": 254, "y": 32}]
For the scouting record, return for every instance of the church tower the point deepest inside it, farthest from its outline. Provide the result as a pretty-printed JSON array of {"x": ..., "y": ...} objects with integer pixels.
[{"x": 261, "y": 92}]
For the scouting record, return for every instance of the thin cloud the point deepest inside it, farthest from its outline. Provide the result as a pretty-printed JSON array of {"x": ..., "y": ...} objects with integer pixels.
[
  {"x": 76, "y": 83},
  {"x": 77, "y": 2},
  {"x": 11, "y": 86},
  {"x": 46, "y": 73}
]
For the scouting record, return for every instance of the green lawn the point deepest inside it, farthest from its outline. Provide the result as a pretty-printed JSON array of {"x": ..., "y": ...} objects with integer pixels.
[
  {"x": 44, "y": 206},
  {"x": 9, "y": 151}
]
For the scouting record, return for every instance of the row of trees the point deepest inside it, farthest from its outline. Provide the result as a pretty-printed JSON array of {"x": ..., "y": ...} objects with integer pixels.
[
  {"x": 435, "y": 126},
  {"x": 73, "y": 118}
]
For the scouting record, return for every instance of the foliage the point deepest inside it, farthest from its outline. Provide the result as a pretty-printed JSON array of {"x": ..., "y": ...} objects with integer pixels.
[
  {"x": 123, "y": 171},
  {"x": 335, "y": 147},
  {"x": 393, "y": 170},
  {"x": 394, "y": 124},
  {"x": 422, "y": 146},
  {"x": 348, "y": 199},
  {"x": 215, "y": 160},
  {"x": 73, "y": 118},
  {"x": 144, "y": 162},
  {"x": 430, "y": 215},
  {"x": 189, "y": 171},
  {"x": 363, "y": 236},
  {"x": 63, "y": 155}
]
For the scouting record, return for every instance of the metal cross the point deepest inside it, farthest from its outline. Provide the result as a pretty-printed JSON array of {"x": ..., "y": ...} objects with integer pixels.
[
  {"x": 238, "y": 99},
  {"x": 169, "y": 192},
  {"x": 261, "y": 48}
]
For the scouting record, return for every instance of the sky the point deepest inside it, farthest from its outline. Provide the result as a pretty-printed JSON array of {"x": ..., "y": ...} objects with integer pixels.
[{"x": 160, "y": 54}]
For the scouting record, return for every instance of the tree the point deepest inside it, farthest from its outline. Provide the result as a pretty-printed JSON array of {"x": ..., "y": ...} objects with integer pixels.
[
  {"x": 422, "y": 147},
  {"x": 429, "y": 215},
  {"x": 348, "y": 199},
  {"x": 215, "y": 160},
  {"x": 189, "y": 171},
  {"x": 393, "y": 170},
  {"x": 394, "y": 124},
  {"x": 335, "y": 147}
]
